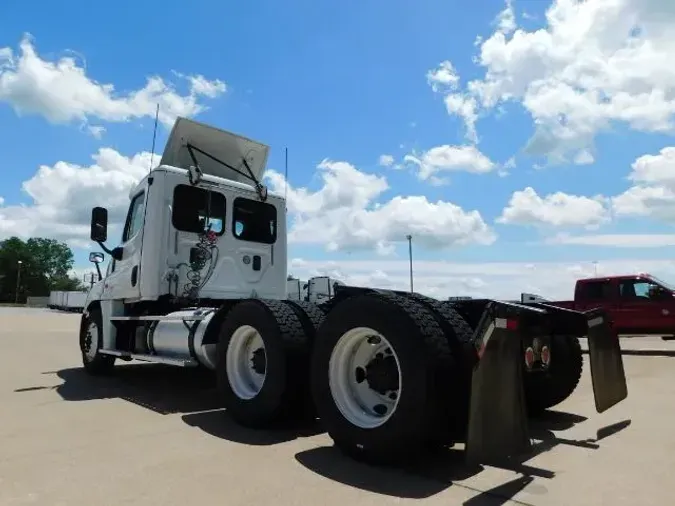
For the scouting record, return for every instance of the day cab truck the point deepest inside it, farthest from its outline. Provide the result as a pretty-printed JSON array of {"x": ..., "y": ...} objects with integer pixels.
[
  {"x": 199, "y": 279},
  {"x": 636, "y": 304}
]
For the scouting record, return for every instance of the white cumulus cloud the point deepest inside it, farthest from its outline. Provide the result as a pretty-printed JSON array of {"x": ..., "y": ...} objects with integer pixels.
[
  {"x": 446, "y": 158},
  {"x": 385, "y": 160},
  {"x": 62, "y": 92},
  {"x": 527, "y": 207},
  {"x": 346, "y": 214},
  {"x": 592, "y": 64},
  {"x": 63, "y": 194},
  {"x": 616, "y": 240},
  {"x": 653, "y": 192}
]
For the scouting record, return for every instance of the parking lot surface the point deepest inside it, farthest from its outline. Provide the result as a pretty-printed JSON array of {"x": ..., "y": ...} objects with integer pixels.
[{"x": 155, "y": 435}]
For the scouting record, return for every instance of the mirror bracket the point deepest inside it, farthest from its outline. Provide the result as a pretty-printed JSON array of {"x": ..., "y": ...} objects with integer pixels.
[{"x": 117, "y": 253}]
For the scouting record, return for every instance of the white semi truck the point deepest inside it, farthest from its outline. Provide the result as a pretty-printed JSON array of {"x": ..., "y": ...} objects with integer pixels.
[{"x": 199, "y": 279}]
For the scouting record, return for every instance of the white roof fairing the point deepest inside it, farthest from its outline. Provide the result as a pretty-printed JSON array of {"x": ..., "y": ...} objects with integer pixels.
[{"x": 221, "y": 144}]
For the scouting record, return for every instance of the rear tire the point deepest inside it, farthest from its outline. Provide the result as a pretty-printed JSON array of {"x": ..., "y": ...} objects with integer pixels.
[
  {"x": 546, "y": 389},
  {"x": 408, "y": 426},
  {"x": 311, "y": 316},
  {"x": 277, "y": 397},
  {"x": 459, "y": 335},
  {"x": 91, "y": 341}
]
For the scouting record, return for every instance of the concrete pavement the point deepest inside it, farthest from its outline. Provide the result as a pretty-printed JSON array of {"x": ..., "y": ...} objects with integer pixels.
[{"x": 154, "y": 435}]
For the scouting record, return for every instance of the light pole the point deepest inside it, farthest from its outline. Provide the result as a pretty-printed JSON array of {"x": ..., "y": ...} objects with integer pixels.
[
  {"x": 18, "y": 280},
  {"x": 409, "y": 237}
]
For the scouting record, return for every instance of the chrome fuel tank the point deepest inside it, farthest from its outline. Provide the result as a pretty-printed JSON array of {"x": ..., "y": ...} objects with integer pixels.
[{"x": 181, "y": 334}]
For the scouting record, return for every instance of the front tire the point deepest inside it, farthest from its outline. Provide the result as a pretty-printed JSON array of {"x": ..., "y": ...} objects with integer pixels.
[
  {"x": 386, "y": 409},
  {"x": 91, "y": 341}
]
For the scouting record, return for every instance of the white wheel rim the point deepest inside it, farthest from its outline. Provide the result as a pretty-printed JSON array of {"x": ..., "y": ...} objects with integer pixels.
[
  {"x": 358, "y": 402},
  {"x": 242, "y": 350},
  {"x": 92, "y": 341}
]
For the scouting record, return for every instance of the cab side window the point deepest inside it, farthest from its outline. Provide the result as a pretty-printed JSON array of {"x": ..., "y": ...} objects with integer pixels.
[
  {"x": 135, "y": 217},
  {"x": 198, "y": 210},
  {"x": 254, "y": 221},
  {"x": 636, "y": 289},
  {"x": 597, "y": 290}
]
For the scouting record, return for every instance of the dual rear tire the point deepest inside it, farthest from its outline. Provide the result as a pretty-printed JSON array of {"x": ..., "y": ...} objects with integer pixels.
[
  {"x": 262, "y": 351},
  {"x": 378, "y": 371},
  {"x": 546, "y": 389},
  {"x": 381, "y": 376}
]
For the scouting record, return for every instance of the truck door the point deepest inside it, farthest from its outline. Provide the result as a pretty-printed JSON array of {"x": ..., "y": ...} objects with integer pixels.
[
  {"x": 639, "y": 312},
  {"x": 124, "y": 280},
  {"x": 194, "y": 211},
  {"x": 254, "y": 226}
]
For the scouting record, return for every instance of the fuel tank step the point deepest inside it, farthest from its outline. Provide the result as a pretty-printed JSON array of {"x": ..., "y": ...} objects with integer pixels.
[{"x": 155, "y": 359}]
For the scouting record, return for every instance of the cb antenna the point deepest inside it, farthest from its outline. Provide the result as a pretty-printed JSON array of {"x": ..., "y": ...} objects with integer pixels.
[
  {"x": 286, "y": 180},
  {"x": 154, "y": 136}
]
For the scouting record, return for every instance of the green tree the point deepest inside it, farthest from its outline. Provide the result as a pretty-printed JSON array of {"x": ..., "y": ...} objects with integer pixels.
[{"x": 44, "y": 266}]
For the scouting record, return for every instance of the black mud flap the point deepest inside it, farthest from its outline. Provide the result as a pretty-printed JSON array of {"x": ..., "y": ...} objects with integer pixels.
[
  {"x": 607, "y": 371},
  {"x": 498, "y": 427}
]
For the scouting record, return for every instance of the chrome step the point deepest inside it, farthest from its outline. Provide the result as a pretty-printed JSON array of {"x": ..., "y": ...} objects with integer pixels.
[
  {"x": 155, "y": 359},
  {"x": 154, "y": 318}
]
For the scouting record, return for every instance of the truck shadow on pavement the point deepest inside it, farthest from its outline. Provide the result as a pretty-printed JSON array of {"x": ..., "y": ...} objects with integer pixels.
[
  {"x": 169, "y": 390},
  {"x": 426, "y": 477},
  {"x": 190, "y": 393}
]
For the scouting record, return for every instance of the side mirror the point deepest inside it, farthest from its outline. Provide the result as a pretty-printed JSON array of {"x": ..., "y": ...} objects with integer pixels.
[
  {"x": 662, "y": 293},
  {"x": 96, "y": 257},
  {"x": 99, "y": 224}
]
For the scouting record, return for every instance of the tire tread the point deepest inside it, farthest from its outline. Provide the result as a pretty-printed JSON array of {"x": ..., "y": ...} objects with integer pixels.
[{"x": 439, "y": 361}]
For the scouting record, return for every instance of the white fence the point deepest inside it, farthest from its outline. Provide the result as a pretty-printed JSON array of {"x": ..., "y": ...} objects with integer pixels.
[{"x": 67, "y": 301}]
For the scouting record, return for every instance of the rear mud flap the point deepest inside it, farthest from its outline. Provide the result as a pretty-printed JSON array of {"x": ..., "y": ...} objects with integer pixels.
[
  {"x": 498, "y": 424},
  {"x": 498, "y": 427},
  {"x": 607, "y": 371}
]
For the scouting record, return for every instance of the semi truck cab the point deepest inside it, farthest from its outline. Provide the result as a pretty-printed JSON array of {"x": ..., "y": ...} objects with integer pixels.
[
  {"x": 200, "y": 228},
  {"x": 197, "y": 226}
]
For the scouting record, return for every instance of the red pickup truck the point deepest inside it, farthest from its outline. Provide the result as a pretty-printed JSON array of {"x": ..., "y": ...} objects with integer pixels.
[{"x": 638, "y": 304}]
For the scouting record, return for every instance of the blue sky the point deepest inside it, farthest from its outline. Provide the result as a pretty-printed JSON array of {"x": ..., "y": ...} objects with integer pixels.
[{"x": 352, "y": 82}]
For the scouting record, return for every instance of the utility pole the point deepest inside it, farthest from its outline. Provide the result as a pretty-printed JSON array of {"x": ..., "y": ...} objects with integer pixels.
[
  {"x": 409, "y": 237},
  {"x": 18, "y": 281}
]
